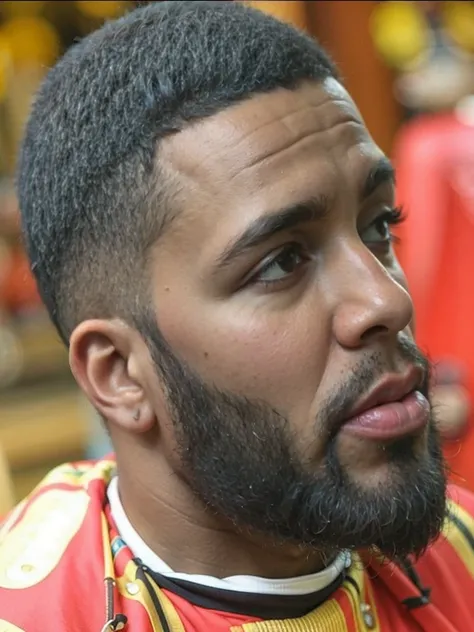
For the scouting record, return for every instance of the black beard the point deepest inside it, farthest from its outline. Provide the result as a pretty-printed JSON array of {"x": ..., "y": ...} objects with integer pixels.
[{"x": 238, "y": 457}]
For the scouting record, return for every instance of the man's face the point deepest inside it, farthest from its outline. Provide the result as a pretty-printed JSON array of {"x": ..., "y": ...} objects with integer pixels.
[{"x": 282, "y": 306}]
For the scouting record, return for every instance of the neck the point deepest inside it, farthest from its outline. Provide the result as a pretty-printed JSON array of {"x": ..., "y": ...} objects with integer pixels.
[{"x": 191, "y": 539}]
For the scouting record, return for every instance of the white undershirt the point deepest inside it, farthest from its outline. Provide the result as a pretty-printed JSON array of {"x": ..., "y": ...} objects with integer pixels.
[{"x": 303, "y": 585}]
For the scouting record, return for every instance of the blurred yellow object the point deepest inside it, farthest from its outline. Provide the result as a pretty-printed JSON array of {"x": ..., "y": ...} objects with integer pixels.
[
  {"x": 25, "y": 7},
  {"x": 458, "y": 20},
  {"x": 400, "y": 33},
  {"x": 31, "y": 40},
  {"x": 101, "y": 10},
  {"x": 6, "y": 487},
  {"x": 5, "y": 67}
]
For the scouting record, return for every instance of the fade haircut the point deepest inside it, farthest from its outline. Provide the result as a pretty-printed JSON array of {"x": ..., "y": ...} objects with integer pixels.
[{"x": 94, "y": 195}]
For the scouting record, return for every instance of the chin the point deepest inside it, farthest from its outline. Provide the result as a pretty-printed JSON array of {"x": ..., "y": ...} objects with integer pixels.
[
  {"x": 370, "y": 464},
  {"x": 393, "y": 499}
]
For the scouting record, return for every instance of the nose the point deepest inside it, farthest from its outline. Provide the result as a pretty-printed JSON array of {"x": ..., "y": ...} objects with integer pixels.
[{"x": 370, "y": 300}]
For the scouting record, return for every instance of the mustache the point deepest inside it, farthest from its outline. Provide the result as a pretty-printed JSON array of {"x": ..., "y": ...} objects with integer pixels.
[{"x": 361, "y": 378}]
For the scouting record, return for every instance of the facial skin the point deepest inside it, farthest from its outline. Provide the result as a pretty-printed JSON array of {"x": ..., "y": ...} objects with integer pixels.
[{"x": 238, "y": 447}]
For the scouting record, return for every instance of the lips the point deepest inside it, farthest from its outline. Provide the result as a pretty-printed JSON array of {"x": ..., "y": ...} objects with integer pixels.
[
  {"x": 391, "y": 410},
  {"x": 392, "y": 388}
]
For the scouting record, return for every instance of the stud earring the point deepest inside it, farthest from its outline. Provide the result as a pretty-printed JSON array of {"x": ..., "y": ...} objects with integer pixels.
[{"x": 136, "y": 415}]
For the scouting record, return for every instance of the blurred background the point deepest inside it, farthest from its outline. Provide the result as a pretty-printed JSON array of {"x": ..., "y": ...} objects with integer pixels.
[{"x": 409, "y": 67}]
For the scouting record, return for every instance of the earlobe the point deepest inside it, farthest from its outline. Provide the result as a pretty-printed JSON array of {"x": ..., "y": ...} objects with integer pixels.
[{"x": 105, "y": 358}]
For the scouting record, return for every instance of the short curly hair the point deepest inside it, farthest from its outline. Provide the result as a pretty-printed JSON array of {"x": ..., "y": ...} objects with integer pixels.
[{"x": 94, "y": 195}]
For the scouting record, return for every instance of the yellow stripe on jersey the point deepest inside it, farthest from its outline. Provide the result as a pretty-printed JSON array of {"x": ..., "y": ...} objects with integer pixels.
[
  {"x": 360, "y": 596},
  {"x": 459, "y": 532},
  {"x": 140, "y": 593},
  {"x": 169, "y": 610},
  {"x": 327, "y": 618}
]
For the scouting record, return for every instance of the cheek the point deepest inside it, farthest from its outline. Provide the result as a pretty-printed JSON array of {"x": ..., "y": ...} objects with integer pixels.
[
  {"x": 275, "y": 355},
  {"x": 397, "y": 273}
]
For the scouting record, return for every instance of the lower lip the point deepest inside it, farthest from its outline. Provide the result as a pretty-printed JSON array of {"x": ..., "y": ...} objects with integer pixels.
[{"x": 391, "y": 421}]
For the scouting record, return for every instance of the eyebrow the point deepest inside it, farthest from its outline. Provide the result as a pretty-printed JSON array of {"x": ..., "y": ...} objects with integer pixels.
[
  {"x": 381, "y": 173},
  {"x": 264, "y": 227},
  {"x": 311, "y": 210}
]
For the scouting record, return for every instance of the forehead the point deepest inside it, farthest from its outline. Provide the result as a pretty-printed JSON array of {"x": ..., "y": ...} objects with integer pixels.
[
  {"x": 267, "y": 151},
  {"x": 262, "y": 127}
]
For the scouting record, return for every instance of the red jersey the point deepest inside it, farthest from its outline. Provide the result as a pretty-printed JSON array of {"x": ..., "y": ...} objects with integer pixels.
[
  {"x": 434, "y": 158},
  {"x": 64, "y": 568}
]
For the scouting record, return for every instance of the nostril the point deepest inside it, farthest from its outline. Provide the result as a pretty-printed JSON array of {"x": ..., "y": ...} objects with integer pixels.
[{"x": 374, "y": 331}]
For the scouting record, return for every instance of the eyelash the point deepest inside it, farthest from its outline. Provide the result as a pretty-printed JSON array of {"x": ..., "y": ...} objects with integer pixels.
[
  {"x": 392, "y": 217},
  {"x": 293, "y": 247}
]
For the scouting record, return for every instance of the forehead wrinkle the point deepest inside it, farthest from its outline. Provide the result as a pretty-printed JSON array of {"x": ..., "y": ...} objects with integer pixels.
[
  {"x": 278, "y": 153},
  {"x": 232, "y": 141},
  {"x": 298, "y": 126},
  {"x": 287, "y": 118}
]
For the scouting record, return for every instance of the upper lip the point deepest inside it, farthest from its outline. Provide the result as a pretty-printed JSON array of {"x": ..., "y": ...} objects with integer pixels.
[{"x": 391, "y": 388}]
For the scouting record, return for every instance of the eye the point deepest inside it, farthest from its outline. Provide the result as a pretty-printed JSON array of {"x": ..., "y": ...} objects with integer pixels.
[
  {"x": 379, "y": 231},
  {"x": 281, "y": 265}
]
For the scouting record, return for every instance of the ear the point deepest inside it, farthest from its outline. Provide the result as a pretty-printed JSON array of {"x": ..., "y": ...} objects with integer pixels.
[{"x": 109, "y": 360}]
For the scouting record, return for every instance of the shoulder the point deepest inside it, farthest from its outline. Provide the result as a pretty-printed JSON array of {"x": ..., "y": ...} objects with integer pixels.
[
  {"x": 459, "y": 526},
  {"x": 462, "y": 498},
  {"x": 43, "y": 525},
  {"x": 43, "y": 538},
  {"x": 446, "y": 569},
  {"x": 66, "y": 486},
  {"x": 455, "y": 546}
]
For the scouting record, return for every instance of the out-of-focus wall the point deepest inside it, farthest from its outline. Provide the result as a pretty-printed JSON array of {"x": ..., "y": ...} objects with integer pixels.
[{"x": 44, "y": 420}]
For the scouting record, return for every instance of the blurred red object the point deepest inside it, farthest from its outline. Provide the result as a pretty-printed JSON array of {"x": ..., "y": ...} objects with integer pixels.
[
  {"x": 19, "y": 292},
  {"x": 434, "y": 158}
]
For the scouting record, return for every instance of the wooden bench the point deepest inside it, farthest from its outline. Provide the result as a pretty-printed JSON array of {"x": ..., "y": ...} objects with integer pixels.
[{"x": 40, "y": 429}]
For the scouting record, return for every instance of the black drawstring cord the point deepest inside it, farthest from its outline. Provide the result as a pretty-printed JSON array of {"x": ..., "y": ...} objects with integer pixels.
[
  {"x": 424, "y": 598},
  {"x": 141, "y": 574}
]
